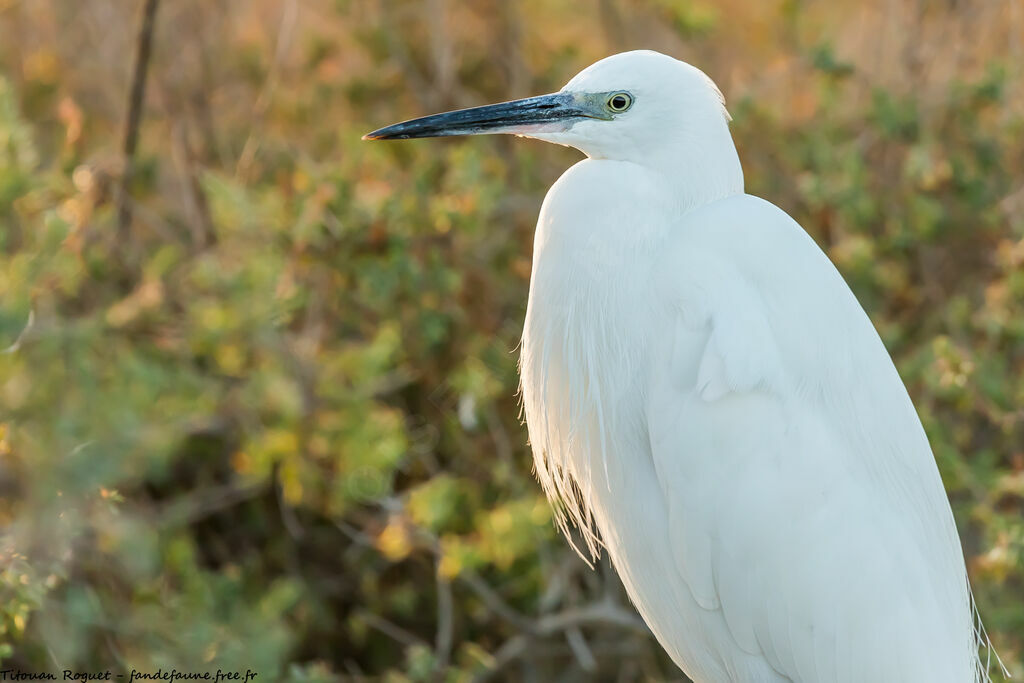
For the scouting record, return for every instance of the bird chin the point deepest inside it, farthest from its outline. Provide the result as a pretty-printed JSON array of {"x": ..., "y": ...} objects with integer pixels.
[
  {"x": 557, "y": 133},
  {"x": 546, "y": 131}
]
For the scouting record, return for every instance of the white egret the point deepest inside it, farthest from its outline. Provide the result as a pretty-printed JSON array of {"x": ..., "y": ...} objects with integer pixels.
[{"x": 705, "y": 395}]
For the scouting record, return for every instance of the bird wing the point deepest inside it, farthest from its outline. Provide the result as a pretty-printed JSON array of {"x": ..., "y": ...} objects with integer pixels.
[{"x": 804, "y": 501}]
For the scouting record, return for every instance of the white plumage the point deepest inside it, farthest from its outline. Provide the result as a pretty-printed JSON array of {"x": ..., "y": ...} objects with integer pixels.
[{"x": 705, "y": 395}]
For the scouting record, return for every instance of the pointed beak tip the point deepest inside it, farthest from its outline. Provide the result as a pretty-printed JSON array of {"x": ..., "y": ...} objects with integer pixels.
[{"x": 386, "y": 134}]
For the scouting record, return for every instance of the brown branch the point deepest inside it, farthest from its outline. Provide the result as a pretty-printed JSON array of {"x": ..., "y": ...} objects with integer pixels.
[
  {"x": 581, "y": 649},
  {"x": 197, "y": 206},
  {"x": 569, "y": 622},
  {"x": 206, "y": 502},
  {"x": 511, "y": 650},
  {"x": 493, "y": 601},
  {"x": 599, "y": 613},
  {"x": 285, "y": 31},
  {"x": 143, "y": 51},
  {"x": 445, "y": 626},
  {"x": 603, "y": 612},
  {"x": 391, "y": 630}
]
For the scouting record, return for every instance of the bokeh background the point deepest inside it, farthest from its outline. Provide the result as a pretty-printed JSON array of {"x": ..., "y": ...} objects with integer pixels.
[{"x": 258, "y": 378}]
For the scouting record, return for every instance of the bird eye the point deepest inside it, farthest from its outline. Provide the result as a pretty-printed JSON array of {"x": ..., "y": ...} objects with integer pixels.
[{"x": 620, "y": 101}]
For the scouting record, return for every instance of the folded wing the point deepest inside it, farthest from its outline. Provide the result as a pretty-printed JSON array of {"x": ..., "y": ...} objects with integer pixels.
[{"x": 804, "y": 501}]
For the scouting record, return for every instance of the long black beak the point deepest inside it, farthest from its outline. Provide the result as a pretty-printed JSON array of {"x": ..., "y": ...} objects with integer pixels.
[{"x": 532, "y": 114}]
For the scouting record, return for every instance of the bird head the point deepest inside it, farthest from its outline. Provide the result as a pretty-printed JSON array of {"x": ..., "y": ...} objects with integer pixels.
[{"x": 632, "y": 106}]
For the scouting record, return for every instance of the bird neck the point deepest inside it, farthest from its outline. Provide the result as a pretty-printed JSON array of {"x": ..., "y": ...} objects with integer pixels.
[{"x": 702, "y": 165}]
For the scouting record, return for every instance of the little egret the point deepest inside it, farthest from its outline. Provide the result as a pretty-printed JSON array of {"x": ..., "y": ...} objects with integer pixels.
[{"x": 706, "y": 398}]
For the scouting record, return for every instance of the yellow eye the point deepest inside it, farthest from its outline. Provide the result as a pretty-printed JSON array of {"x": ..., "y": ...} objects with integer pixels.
[{"x": 620, "y": 101}]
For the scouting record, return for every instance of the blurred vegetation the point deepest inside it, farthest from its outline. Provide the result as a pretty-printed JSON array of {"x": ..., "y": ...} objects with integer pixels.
[{"x": 270, "y": 422}]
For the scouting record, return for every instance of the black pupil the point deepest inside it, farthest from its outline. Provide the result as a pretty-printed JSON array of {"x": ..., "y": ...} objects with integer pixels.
[{"x": 619, "y": 102}]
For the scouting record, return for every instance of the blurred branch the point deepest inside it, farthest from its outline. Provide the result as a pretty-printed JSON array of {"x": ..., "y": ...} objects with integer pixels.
[
  {"x": 396, "y": 47},
  {"x": 517, "y": 76},
  {"x": 441, "y": 48},
  {"x": 511, "y": 650},
  {"x": 151, "y": 218},
  {"x": 389, "y": 383},
  {"x": 205, "y": 502},
  {"x": 289, "y": 18},
  {"x": 288, "y": 518},
  {"x": 604, "y": 612},
  {"x": 500, "y": 437},
  {"x": 599, "y": 613},
  {"x": 29, "y": 324},
  {"x": 493, "y": 601},
  {"x": 424, "y": 88},
  {"x": 580, "y": 649},
  {"x": 194, "y": 198},
  {"x": 445, "y": 623},
  {"x": 140, "y": 70},
  {"x": 391, "y": 630}
]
